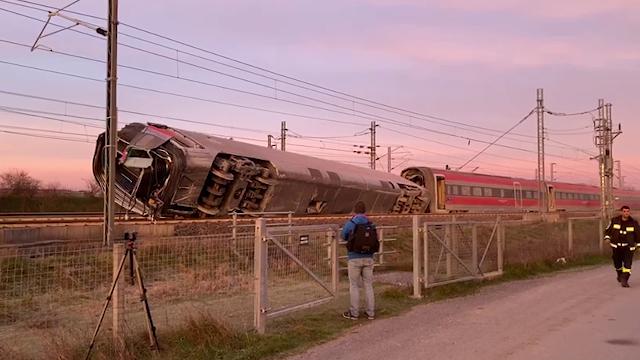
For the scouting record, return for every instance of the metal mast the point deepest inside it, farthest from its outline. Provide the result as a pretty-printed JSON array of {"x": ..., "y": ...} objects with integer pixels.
[
  {"x": 372, "y": 152},
  {"x": 542, "y": 194}
]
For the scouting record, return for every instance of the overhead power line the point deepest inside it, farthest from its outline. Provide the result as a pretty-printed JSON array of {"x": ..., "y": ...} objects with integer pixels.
[
  {"x": 350, "y": 98},
  {"x": 497, "y": 139}
]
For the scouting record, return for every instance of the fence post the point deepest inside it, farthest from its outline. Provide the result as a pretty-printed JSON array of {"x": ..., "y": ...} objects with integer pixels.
[
  {"x": 234, "y": 230},
  {"x": 118, "y": 299},
  {"x": 260, "y": 273},
  {"x": 601, "y": 235},
  {"x": 381, "y": 250},
  {"x": 290, "y": 222},
  {"x": 500, "y": 244},
  {"x": 447, "y": 240},
  {"x": 425, "y": 252},
  {"x": 416, "y": 258},
  {"x": 334, "y": 261},
  {"x": 570, "y": 236},
  {"x": 474, "y": 248}
]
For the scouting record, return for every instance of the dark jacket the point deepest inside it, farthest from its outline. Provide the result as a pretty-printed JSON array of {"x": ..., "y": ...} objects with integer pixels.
[
  {"x": 622, "y": 232},
  {"x": 348, "y": 228}
]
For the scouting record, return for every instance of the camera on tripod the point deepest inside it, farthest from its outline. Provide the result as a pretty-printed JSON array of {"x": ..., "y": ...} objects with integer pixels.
[{"x": 131, "y": 236}]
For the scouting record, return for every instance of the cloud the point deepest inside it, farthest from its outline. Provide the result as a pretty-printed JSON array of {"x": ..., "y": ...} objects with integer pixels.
[
  {"x": 435, "y": 45},
  {"x": 553, "y": 9}
]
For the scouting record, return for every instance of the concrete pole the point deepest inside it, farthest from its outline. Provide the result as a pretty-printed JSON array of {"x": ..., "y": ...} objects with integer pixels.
[
  {"x": 283, "y": 135},
  {"x": 260, "y": 267},
  {"x": 111, "y": 131},
  {"x": 417, "y": 291},
  {"x": 388, "y": 158},
  {"x": 541, "y": 170}
]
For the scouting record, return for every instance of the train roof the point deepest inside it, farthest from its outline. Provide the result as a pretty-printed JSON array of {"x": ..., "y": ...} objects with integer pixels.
[{"x": 292, "y": 162}]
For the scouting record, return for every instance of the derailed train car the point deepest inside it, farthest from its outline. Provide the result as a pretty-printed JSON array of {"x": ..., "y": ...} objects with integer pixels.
[{"x": 163, "y": 171}]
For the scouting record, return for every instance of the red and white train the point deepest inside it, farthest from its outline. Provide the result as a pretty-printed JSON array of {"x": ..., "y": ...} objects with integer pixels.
[{"x": 455, "y": 191}]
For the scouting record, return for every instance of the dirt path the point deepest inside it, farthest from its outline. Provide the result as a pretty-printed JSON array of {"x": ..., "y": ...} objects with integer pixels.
[{"x": 581, "y": 314}]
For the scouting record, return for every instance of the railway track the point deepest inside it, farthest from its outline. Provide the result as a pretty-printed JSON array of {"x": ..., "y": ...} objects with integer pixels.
[{"x": 56, "y": 218}]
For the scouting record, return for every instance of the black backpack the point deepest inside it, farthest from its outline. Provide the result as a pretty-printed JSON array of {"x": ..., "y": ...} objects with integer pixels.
[{"x": 363, "y": 239}]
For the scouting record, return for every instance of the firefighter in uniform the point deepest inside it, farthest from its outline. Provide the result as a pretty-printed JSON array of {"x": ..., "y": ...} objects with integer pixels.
[{"x": 622, "y": 234}]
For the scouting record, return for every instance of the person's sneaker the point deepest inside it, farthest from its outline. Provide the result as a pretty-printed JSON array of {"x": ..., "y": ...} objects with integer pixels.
[
  {"x": 347, "y": 315},
  {"x": 370, "y": 317}
]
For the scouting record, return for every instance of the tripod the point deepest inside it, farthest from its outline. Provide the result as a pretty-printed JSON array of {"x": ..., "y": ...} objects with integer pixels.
[{"x": 133, "y": 266}]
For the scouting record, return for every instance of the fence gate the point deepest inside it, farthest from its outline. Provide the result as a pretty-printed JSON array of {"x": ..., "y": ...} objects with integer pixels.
[
  {"x": 296, "y": 267},
  {"x": 447, "y": 252}
]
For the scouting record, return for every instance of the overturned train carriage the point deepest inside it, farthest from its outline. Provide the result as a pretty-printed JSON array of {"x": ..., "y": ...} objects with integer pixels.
[{"x": 162, "y": 171}]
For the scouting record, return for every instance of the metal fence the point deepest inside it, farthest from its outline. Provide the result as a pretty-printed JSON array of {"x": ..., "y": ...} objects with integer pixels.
[
  {"x": 446, "y": 252},
  {"x": 452, "y": 251},
  {"x": 51, "y": 295},
  {"x": 296, "y": 268}
]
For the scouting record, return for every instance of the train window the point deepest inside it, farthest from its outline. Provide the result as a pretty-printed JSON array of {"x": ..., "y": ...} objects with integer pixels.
[
  {"x": 487, "y": 191},
  {"x": 527, "y": 194},
  {"x": 477, "y": 191},
  {"x": 496, "y": 193},
  {"x": 315, "y": 174},
  {"x": 465, "y": 190},
  {"x": 335, "y": 178},
  {"x": 508, "y": 193},
  {"x": 535, "y": 194}
]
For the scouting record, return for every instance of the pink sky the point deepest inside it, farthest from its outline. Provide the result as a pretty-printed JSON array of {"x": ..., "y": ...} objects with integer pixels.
[{"x": 475, "y": 63}]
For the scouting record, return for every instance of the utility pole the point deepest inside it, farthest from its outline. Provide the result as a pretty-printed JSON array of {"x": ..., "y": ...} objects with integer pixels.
[
  {"x": 388, "y": 159},
  {"x": 269, "y": 143},
  {"x": 553, "y": 173},
  {"x": 620, "y": 177},
  {"x": 542, "y": 194},
  {"x": 373, "y": 145},
  {"x": 283, "y": 135},
  {"x": 111, "y": 130},
  {"x": 603, "y": 139}
]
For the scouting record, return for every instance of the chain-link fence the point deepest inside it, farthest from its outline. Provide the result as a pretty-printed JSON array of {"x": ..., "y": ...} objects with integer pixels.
[
  {"x": 463, "y": 250},
  {"x": 51, "y": 295}
]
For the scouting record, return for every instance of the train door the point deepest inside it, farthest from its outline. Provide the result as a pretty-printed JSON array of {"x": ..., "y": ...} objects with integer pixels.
[
  {"x": 551, "y": 193},
  {"x": 441, "y": 192},
  {"x": 517, "y": 195}
]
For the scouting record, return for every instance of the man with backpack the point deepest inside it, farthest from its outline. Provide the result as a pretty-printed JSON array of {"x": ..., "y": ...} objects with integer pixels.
[{"x": 362, "y": 243}]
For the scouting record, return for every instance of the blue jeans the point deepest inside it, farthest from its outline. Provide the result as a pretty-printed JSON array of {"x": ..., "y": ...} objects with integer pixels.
[{"x": 361, "y": 272}]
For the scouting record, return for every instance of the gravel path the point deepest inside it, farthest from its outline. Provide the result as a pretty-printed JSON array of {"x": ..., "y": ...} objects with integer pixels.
[{"x": 580, "y": 314}]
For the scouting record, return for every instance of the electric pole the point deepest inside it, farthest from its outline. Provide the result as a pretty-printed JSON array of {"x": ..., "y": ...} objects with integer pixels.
[
  {"x": 620, "y": 177},
  {"x": 553, "y": 173},
  {"x": 111, "y": 130},
  {"x": 372, "y": 152},
  {"x": 388, "y": 159},
  {"x": 283, "y": 135},
  {"x": 603, "y": 139},
  {"x": 270, "y": 145},
  {"x": 542, "y": 194}
]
